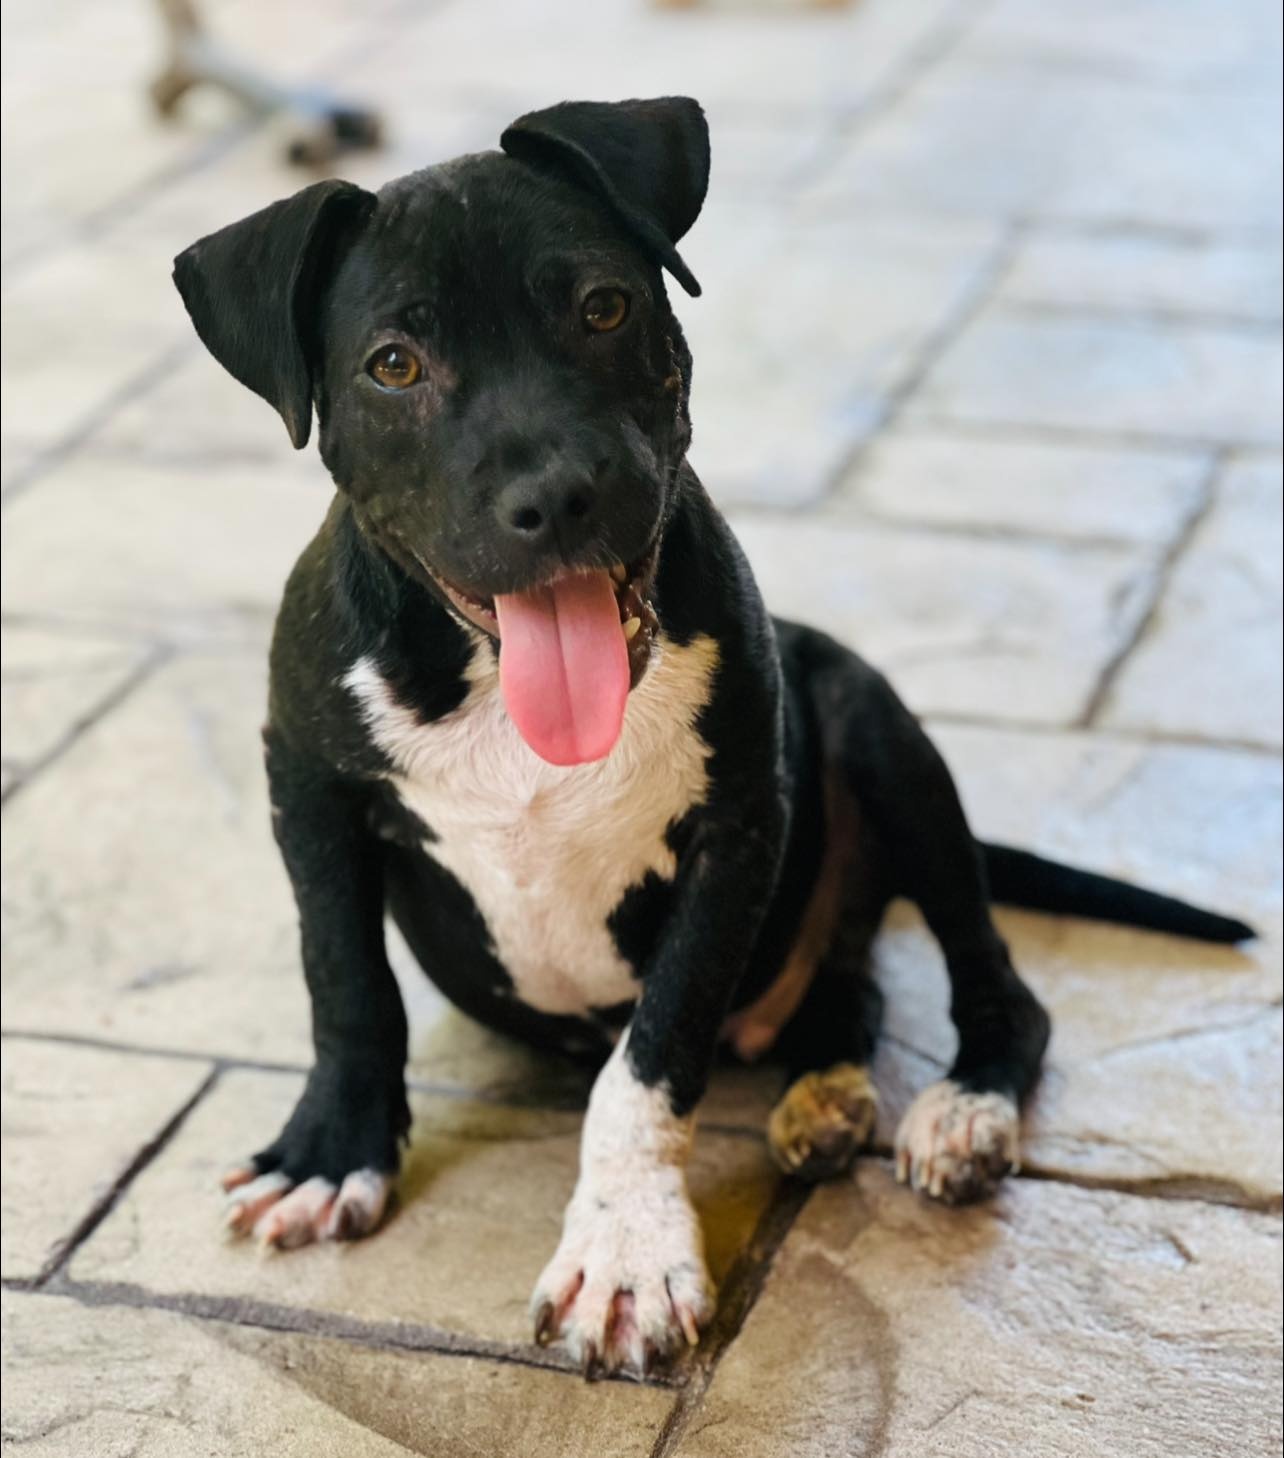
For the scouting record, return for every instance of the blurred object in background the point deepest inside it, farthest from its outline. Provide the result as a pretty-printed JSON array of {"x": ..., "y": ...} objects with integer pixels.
[{"x": 324, "y": 127}]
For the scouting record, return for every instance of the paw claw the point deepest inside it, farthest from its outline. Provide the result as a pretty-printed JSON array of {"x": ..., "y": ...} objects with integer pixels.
[
  {"x": 545, "y": 1325},
  {"x": 956, "y": 1145}
]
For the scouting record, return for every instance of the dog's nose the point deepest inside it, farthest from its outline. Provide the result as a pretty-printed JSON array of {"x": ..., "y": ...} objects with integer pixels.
[{"x": 539, "y": 510}]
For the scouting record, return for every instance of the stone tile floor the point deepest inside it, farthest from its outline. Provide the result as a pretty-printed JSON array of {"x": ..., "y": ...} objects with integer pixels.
[{"x": 988, "y": 375}]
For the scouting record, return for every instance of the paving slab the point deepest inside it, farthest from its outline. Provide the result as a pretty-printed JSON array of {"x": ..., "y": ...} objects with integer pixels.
[
  {"x": 482, "y": 1194},
  {"x": 980, "y": 139},
  {"x": 803, "y": 332},
  {"x": 75, "y": 1119},
  {"x": 1056, "y": 1320},
  {"x": 115, "y": 1381},
  {"x": 183, "y": 552},
  {"x": 1209, "y": 664},
  {"x": 1142, "y": 273},
  {"x": 1000, "y": 485},
  {"x": 1162, "y": 378},
  {"x": 833, "y": 57},
  {"x": 54, "y": 682},
  {"x": 1196, "y": 45},
  {"x": 1164, "y": 1065},
  {"x": 1015, "y": 630}
]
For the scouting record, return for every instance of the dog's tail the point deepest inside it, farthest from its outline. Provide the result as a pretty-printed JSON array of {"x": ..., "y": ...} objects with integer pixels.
[{"x": 1021, "y": 878}]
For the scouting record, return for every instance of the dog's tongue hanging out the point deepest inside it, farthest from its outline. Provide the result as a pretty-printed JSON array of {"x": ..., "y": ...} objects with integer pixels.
[{"x": 564, "y": 667}]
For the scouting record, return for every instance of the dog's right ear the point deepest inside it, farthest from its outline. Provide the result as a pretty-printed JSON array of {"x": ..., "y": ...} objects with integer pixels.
[{"x": 252, "y": 290}]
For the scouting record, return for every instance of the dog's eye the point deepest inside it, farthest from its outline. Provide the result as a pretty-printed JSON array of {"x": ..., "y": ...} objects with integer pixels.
[
  {"x": 393, "y": 367},
  {"x": 606, "y": 309}
]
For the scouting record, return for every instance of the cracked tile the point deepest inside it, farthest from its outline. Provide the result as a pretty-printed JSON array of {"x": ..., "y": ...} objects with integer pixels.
[
  {"x": 1209, "y": 665},
  {"x": 74, "y": 1120},
  {"x": 1099, "y": 1322},
  {"x": 482, "y": 1194},
  {"x": 110, "y": 1380}
]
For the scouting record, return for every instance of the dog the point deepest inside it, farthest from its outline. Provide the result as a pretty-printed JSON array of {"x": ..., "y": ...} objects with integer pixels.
[{"x": 526, "y": 698}]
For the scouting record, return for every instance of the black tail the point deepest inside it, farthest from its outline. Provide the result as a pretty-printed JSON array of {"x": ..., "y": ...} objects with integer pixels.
[{"x": 1020, "y": 878}]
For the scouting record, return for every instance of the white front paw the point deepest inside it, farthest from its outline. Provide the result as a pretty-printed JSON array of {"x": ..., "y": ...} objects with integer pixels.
[{"x": 628, "y": 1285}]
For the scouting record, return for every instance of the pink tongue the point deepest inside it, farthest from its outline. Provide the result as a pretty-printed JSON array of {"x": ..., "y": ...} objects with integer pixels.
[{"x": 564, "y": 667}]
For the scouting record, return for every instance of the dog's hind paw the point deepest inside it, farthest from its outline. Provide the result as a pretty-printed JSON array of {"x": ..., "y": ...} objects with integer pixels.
[
  {"x": 283, "y": 1215},
  {"x": 823, "y": 1121},
  {"x": 955, "y": 1145}
]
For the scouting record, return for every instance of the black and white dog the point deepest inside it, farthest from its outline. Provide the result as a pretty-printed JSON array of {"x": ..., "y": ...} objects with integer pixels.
[{"x": 526, "y": 697}]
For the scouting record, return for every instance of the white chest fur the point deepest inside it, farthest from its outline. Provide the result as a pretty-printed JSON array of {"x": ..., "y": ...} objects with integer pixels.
[{"x": 546, "y": 852}]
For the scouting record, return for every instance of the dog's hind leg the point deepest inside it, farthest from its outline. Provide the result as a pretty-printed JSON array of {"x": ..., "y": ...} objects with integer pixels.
[
  {"x": 826, "y": 1115},
  {"x": 961, "y": 1135}
]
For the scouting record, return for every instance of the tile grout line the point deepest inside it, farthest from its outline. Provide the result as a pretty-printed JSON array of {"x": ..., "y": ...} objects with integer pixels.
[
  {"x": 1039, "y": 432},
  {"x": 930, "y": 51},
  {"x": 1163, "y": 573},
  {"x": 740, "y": 1292},
  {"x": 134, "y": 388},
  {"x": 309, "y": 1321},
  {"x": 975, "y": 297},
  {"x": 66, "y": 1247},
  {"x": 151, "y": 663}
]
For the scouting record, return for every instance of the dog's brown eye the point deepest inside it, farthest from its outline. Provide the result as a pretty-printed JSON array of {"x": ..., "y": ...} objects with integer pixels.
[
  {"x": 606, "y": 309},
  {"x": 394, "y": 368}
]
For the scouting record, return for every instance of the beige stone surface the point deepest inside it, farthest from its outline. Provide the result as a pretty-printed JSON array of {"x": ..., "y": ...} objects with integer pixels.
[
  {"x": 1209, "y": 664},
  {"x": 178, "y": 552},
  {"x": 1144, "y": 272},
  {"x": 1058, "y": 1321},
  {"x": 1176, "y": 381},
  {"x": 977, "y": 138},
  {"x": 1165, "y": 1058},
  {"x": 999, "y": 485},
  {"x": 74, "y": 1120},
  {"x": 803, "y": 330},
  {"x": 482, "y": 1194},
  {"x": 52, "y": 682},
  {"x": 1000, "y": 629},
  {"x": 110, "y": 1381},
  {"x": 1142, "y": 42}
]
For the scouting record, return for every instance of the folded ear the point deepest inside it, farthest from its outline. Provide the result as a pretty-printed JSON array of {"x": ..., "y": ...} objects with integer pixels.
[
  {"x": 252, "y": 290},
  {"x": 648, "y": 160}
]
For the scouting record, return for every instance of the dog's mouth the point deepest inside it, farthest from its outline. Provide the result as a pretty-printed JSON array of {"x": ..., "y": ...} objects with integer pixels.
[{"x": 570, "y": 650}]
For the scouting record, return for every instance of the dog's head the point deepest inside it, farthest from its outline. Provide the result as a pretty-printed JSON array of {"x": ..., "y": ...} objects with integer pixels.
[{"x": 500, "y": 384}]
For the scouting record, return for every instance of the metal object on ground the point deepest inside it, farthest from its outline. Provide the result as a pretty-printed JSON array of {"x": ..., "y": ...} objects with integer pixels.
[{"x": 326, "y": 127}]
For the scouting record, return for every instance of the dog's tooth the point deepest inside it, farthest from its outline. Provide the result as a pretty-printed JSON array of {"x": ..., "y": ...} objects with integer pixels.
[
  {"x": 620, "y": 572},
  {"x": 631, "y": 628}
]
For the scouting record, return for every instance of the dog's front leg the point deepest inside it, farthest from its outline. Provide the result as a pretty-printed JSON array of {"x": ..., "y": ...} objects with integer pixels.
[
  {"x": 628, "y": 1283},
  {"x": 329, "y": 1171}
]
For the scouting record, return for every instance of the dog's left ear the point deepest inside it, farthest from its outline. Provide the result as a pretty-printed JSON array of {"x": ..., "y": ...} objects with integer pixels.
[
  {"x": 648, "y": 160},
  {"x": 253, "y": 289}
]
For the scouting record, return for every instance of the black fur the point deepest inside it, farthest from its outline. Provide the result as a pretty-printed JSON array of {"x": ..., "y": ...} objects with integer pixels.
[{"x": 478, "y": 267}]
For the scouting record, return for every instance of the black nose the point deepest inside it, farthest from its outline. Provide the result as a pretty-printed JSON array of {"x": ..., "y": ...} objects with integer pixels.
[{"x": 553, "y": 506}]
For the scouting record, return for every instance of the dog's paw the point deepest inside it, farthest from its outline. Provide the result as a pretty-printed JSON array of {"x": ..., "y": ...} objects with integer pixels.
[
  {"x": 283, "y": 1215},
  {"x": 823, "y": 1121},
  {"x": 627, "y": 1287},
  {"x": 956, "y": 1146}
]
